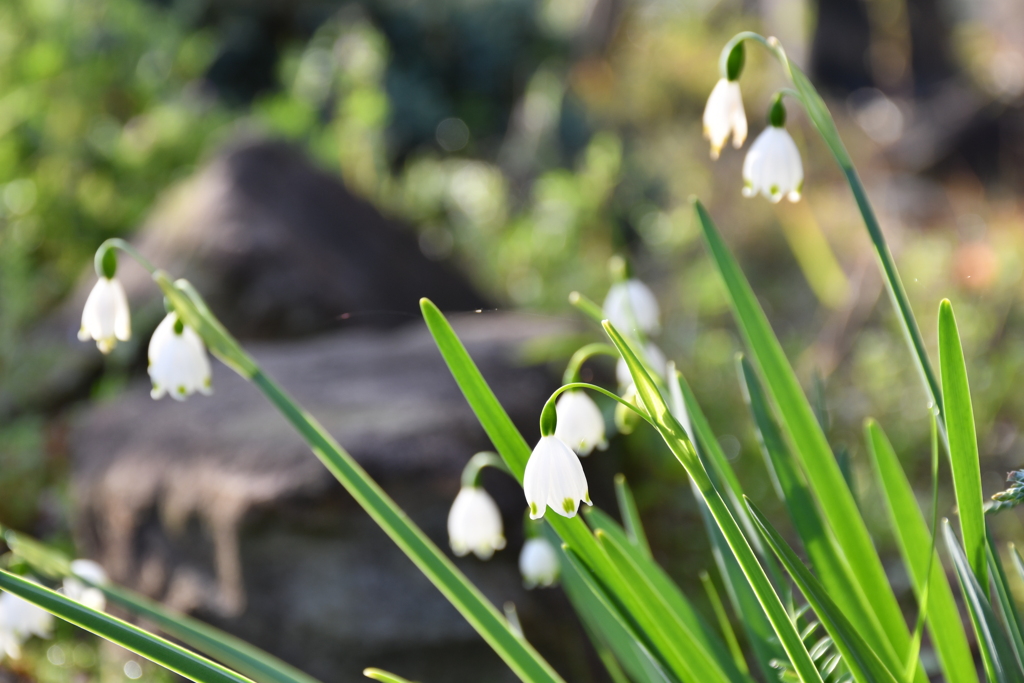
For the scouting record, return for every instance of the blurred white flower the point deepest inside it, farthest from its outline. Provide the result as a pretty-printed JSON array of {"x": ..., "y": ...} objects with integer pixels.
[
  {"x": 20, "y": 620},
  {"x": 538, "y": 563},
  {"x": 723, "y": 115},
  {"x": 773, "y": 167},
  {"x": 580, "y": 422},
  {"x": 474, "y": 524},
  {"x": 630, "y": 306},
  {"x": 653, "y": 358},
  {"x": 177, "y": 360},
  {"x": 76, "y": 589},
  {"x": 106, "y": 317},
  {"x": 554, "y": 477}
]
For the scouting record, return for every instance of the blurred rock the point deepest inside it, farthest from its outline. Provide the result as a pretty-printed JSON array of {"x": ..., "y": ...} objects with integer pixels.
[
  {"x": 217, "y": 507},
  {"x": 278, "y": 247}
]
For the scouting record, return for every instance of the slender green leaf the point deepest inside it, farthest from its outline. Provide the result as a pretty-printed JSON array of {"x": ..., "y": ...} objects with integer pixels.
[
  {"x": 831, "y": 566},
  {"x": 1006, "y": 605},
  {"x": 435, "y": 565},
  {"x": 914, "y": 539},
  {"x": 226, "y": 648},
  {"x": 809, "y": 443},
  {"x": 1000, "y": 664},
  {"x": 384, "y": 676},
  {"x": 755, "y": 622},
  {"x": 585, "y": 590},
  {"x": 156, "y": 649},
  {"x": 963, "y": 442},
  {"x": 631, "y": 516},
  {"x": 667, "y": 591},
  {"x": 863, "y": 662},
  {"x": 679, "y": 443},
  {"x": 723, "y": 622}
]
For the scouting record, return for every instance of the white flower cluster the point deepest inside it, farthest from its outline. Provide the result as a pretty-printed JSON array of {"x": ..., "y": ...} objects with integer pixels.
[
  {"x": 772, "y": 167},
  {"x": 178, "y": 364}
]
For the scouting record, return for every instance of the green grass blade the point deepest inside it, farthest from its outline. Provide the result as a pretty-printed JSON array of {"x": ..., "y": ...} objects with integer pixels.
[
  {"x": 863, "y": 662},
  {"x": 809, "y": 443},
  {"x": 1006, "y": 605},
  {"x": 631, "y": 516},
  {"x": 428, "y": 558},
  {"x": 963, "y": 442},
  {"x": 679, "y": 443},
  {"x": 723, "y": 622},
  {"x": 586, "y": 592},
  {"x": 827, "y": 559},
  {"x": 225, "y": 648},
  {"x": 914, "y": 540},
  {"x": 384, "y": 676},
  {"x": 168, "y": 655},
  {"x": 667, "y": 591},
  {"x": 1000, "y": 664},
  {"x": 755, "y": 622},
  {"x": 680, "y": 640}
]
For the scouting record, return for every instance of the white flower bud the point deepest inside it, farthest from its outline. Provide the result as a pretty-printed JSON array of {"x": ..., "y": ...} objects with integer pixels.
[
  {"x": 630, "y": 306},
  {"x": 538, "y": 563},
  {"x": 773, "y": 167},
  {"x": 177, "y": 361},
  {"x": 554, "y": 477},
  {"x": 106, "y": 317},
  {"x": 76, "y": 589},
  {"x": 580, "y": 422},
  {"x": 723, "y": 115},
  {"x": 474, "y": 524}
]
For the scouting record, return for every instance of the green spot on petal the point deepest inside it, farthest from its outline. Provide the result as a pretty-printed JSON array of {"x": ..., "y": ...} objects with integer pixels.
[
  {"x": 567, "y": 505},
  {"x": 533, "y": 508}
]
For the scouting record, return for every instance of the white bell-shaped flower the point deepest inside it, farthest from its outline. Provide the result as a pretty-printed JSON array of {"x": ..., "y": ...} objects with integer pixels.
[
  {"x": 106, "y": 317},
  {"x": 474, "y": 524},
  {"x": 654, "y": 358},
  {"x": 77, "y": 589},
  {"x": 773, "y": 166},
  {"x": 723, "y": 115},
  {"x": 538, "y": 563},
  {"x": 20, "y": 620},
  {"x": 177, "y": 360},
  {"x": 580, "y": 422},
  {"x": 554, "y": 478},
  {"x": 630, "y": 306}
]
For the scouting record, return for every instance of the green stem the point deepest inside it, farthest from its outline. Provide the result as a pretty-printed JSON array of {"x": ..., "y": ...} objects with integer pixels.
[
  {"x": 471, "y": 472},
  {"x": 549, "y": 405},
  {"x": 588, "y": 307},
  {"x": 118, "y": 243},
  {"x": 585, "y": 353}
]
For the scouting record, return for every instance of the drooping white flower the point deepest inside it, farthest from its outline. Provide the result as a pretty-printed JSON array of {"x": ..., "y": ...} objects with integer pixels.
[
  {"x": 106, "y": 317},
  {"x": 653, "y": 358},
  {"x": 19, "y": 620},
  {"x": 580, "y": 422},
  {"x": 538, "y": 563},
  {"x": 723, "y": 115},
  {"x": 773, "y": 166},
  {"x": 554, "y": 478},
  {"x": 177, "y": 360},
  {"x": 474, "y": 524},
  {"x": 77, "y": 589},
  {"x": 630, "y": 306}
]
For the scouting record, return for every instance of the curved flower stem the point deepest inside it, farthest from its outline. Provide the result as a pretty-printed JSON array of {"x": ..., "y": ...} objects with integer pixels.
[
  {"x": 549, "y": 405},
  {"x": 572, "y": 370},
  {"x": 118, "y": 243},
  {"x": 819, "y": 115},
  {"x": 471, "y": 472}
]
